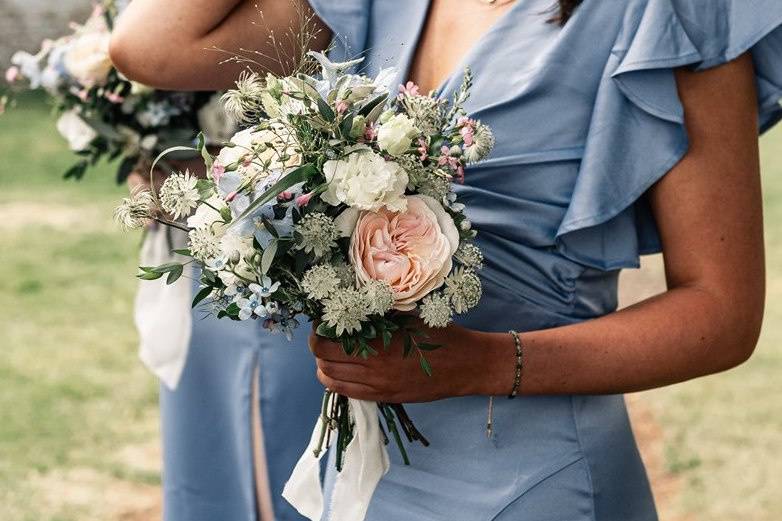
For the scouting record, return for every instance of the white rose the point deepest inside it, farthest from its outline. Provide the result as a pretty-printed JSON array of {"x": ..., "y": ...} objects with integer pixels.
[
  {"x": 78, "y": 133},
  {"x": 254, "y": 148},
  {"x": 87, "y": 59},
  {"x": 366, "y": 181},
  {"x": 214, "y": 121},
  {"x": 396, "y": 135}
]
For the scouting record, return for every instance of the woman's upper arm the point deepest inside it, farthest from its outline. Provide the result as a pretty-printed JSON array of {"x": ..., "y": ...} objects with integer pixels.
[
  {"x": 174, "y": 47},
  {"x": 709, "y": 207}
]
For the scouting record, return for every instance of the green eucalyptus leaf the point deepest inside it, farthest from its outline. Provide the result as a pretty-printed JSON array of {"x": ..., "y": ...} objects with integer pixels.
[
  {"x": 425, "y": 366},
  {"x": 149, "y": 276},
  {"x": 299, "y": 175},
  {"x": 325, "y": 110},
  {"x": 325, "y": 331},
  {"x": 268, "y": 256},
  {"x": 201, "y": 295},
  {"x": 174, "y": 274}
]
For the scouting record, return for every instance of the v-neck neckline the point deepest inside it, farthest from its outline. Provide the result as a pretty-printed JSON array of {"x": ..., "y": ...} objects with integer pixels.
[{"x": 409, "y": 56}]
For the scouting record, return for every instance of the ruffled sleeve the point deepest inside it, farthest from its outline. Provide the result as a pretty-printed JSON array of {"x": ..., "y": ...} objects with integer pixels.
[
  {"x": 637, "y": 131},
  {"x": 348, "y": 21}
]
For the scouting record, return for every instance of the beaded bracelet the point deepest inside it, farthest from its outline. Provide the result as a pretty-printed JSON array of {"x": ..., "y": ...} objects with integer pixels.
[
  {"x": 519, "y": 364},
  {"x": 516, "y": 383}
]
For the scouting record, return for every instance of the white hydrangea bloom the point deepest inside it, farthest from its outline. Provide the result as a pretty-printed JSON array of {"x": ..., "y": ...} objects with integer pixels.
[{"x": 366, "y": 181}]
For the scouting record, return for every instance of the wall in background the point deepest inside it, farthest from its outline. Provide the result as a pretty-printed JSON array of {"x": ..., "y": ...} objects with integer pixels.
[{"x": 24, "y": 23}]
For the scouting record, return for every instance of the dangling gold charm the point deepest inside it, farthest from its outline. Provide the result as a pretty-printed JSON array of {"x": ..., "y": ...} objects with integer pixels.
[{"x": 490, "y": 418}]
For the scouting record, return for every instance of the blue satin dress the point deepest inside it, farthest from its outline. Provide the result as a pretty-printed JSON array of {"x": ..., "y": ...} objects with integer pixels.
[
  {"x": 587, "y": 118},
  {"x": 208, "y": 472}
]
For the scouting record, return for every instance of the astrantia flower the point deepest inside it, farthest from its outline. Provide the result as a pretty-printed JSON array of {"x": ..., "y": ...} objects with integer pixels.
[
  {"x": 317, "y": 234},
  {"x": 345, "y": 273},
  {"x": 463, "y": 287},
  {"x": 482, "y": 143},
  {"x": 435, "y": 310},
  {"x": 179, "y": 195},
  {"x": 320, "y": 281},
  {"x": 469, "y": 256},
  {"x": 379, "y": 297},
  {"x": 345, "y": 310},
  {"x": 204, "y": 244},
  {"x": 134, "y": 211},
  {"x": 366, "y": 181}
]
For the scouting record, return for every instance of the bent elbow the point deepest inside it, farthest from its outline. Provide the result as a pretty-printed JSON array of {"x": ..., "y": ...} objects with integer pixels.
[
  {"x": 138, "y": 62},
  {"x": 123, "y": 52},
  {"x": 745, "y": 341}
]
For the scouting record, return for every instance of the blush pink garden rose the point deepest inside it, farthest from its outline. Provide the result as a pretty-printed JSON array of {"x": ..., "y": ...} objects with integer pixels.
[{"x": 412, "y": 250}]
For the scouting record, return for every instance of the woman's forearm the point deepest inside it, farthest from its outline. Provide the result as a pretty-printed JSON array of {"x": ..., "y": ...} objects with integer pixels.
[
  {"x": 682, "y": 334},
  {"x": 178, "y": 46}
]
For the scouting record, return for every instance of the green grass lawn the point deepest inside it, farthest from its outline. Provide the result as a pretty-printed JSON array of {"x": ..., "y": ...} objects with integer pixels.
[
  {"x": 72, "y": 394},
  {"x": 78, "y": 412},
  {"x": 723, "y": 434}
]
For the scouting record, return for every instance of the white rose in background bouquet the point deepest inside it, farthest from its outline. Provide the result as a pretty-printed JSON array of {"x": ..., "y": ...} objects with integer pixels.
[
  {"x": 336, "y": 205},
  {"x": 104, "y": 115}
]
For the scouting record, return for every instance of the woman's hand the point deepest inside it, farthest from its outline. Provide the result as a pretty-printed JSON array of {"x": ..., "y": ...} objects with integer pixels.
[{"x": 464, "y": 365}]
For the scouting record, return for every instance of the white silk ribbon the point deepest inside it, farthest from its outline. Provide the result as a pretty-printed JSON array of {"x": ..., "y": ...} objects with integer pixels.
[
  {"x": 162, "y": 311},
  {"x": 365, "y": 463}
]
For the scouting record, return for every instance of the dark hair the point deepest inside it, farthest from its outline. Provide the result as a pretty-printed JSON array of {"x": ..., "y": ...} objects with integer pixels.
[{"x": 565, "y": 11}]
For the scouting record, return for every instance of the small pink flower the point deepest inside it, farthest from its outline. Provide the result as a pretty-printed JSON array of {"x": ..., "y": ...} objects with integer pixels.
[
  {"x": 304, "y": 199},
  {"x": 83, "y": 94},
  {"x": 342, "y": 106},
  {"x": 284, "y": 196},
  {"x": 423, "y": 150},
  {"x": 370, "y": 133},
  {"x": 12, "y": 74},
  {"x": 467, "y": 130},
  {"x": 460, "y": 174},
  {"x": 230, "y": 197},
  {"x": 113, "y": 97},
  {"x": 218, "y": 171},
  {"x": 446, "y": 159},
  {"x": 468, "y": 135},
  {"x": 409, "y": 89}
]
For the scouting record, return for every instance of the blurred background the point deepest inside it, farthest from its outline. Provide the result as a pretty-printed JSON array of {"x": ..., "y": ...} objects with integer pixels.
[{"x": 78, "y": 413}]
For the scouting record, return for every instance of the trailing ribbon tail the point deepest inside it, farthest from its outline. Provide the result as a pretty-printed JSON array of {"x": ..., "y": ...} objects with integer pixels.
[
  {"x": 366, "y": 461},
  {"x": 162, "y": 311}
]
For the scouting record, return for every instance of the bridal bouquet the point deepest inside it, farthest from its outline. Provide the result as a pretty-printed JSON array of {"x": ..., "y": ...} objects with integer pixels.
[
  {"x": 335, "y": 204},
  {"x": 102, "y": 114}
]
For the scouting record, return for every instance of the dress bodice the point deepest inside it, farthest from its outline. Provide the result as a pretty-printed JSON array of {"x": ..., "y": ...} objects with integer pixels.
[{"x": 587, "y": 118}]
